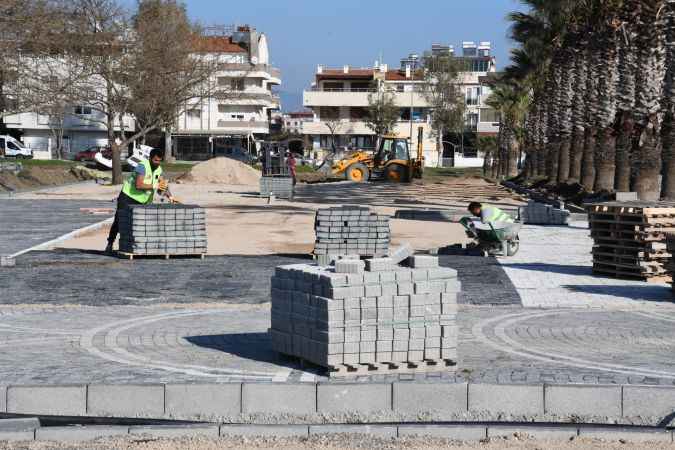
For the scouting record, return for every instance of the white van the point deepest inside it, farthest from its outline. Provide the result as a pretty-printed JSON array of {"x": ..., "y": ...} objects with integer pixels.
[{"x": 14, "y": 148}]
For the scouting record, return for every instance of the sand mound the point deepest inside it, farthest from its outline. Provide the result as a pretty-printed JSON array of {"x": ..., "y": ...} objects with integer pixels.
[{"x": 223, "y": 171}]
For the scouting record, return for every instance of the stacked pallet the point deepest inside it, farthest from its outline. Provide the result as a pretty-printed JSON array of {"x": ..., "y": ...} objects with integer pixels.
[
  {"x": 162, "y": 229},
  {"x": 280, "y": 186},
  {"x": 670, "y": 265},
  {"x": 373, "y": 317},
  {"x": 630, "y": 238},
  {"x": 542, "y": 214},
  {"x": 350, "y": 230}
]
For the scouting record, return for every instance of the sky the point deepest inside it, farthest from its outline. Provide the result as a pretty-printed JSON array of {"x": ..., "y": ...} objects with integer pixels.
[{"x": 303, "y": 33}]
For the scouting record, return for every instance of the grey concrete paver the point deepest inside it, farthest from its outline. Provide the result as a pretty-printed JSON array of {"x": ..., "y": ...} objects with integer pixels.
[
  {"x": 229, "y": 343},
  {"x": 553, "y": 269},
  {"x": 26, "y": 223}
]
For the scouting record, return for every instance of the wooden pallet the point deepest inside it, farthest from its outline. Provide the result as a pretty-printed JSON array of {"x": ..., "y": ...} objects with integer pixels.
[
  {"x": 652, "y": 267},
  {"x": 663, "y": 278},
  {"x": 637, "y": 260},
  {"x": 638, "y": 252},
  {"x": 636, "y": 236},
  {"x": 630, "y": 220},
  {"x": 131, "y": 256},
  {"x": 439, "y": 365},
  {"x": 630, "y": 244},
  {"x": 651, "y": 209}
]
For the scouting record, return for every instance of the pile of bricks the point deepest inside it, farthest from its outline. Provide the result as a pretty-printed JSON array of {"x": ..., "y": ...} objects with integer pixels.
[
  {"x": 163, "y": 229},
  {"x": 630, "y": 238},
  {"x": 350, "y": 230},
  {"x": 364, "y": 316},
  {"x": 279, "y": 186},
  {"x": 542, "y": 214}
]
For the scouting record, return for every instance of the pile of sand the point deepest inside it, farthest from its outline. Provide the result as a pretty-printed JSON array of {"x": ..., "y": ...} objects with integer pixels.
[{"x": 223, "y": 171}]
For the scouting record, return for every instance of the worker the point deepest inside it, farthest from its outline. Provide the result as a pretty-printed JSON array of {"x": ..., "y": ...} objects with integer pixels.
[
  {"x": 292, "y": 163},
  {"x": 139, "y": 189},
  {"x": 489, "y": 213}
]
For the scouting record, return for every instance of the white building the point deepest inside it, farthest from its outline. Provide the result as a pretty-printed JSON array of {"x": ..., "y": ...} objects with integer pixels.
[
  {"x": 342, "y": 96},
  {"x": 294, "y": 121},
  {"x": 241, "y": 112},
  {"x": 83, "y": 127}
]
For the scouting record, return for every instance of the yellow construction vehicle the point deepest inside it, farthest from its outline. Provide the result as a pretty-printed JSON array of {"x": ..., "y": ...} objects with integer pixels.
[{"x": 391, "y": 162}]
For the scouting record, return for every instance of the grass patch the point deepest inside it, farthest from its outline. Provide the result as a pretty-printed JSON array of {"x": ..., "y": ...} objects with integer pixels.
[
  {"x": 44, "y": 162},
  {"x": 453, "y": 172},
  {"x": 304, "y": 169}
]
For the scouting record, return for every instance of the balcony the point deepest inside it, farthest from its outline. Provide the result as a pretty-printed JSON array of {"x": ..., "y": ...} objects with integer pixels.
[
  {"x": 488, "y": 127},
  {"x": 357, "y": 98},
  {"x": 243, "y": 126}
]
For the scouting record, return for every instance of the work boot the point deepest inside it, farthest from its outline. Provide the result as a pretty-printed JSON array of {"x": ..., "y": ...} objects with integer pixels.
[{"x": 109, "y": 250}]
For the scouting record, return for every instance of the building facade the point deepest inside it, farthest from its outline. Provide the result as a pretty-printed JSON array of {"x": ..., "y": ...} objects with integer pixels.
[
  {"x": 339, "y": 99},
  {"x": 294, "y": 121},
  {"x": 239, "y": 111}
]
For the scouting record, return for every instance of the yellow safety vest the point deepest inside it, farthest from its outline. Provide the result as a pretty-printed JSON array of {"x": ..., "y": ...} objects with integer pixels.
[
  {"x": 151, "y": 177},
  {"x": 495, "y": 214}
]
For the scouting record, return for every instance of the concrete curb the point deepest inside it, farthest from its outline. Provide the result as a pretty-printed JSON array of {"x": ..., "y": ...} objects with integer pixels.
[
  {"x": 300, "y": 401},
  {"x": 73, "y": 234},
  {"x": 453, "y": 431}
]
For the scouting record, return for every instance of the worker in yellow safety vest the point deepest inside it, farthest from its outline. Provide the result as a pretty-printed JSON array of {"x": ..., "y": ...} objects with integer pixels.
[
  {"x": 139, "y": 189},
  {"x": 489, "y": 213}
]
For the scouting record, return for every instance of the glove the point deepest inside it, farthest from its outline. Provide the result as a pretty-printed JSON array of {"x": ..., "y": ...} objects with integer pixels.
[{"x": 163, "y": 185}]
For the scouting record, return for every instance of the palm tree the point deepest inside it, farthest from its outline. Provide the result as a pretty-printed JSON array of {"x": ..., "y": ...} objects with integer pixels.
[
  {"x": 668, "y": 135},
  {"x": 625, "y": 97},
  {"x": 579, "y": 108},
  {"x": 650, "y": 73},
  {"x": 605, "y": 113}
]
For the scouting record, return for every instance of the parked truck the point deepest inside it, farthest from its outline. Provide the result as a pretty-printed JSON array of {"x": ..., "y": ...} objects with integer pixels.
[{"x": 10, "y": 147}]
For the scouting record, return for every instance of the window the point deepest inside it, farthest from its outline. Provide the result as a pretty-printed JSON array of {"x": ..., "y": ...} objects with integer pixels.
[
  {"x": 82, "y": 110},
  {"x": 360, "y": 87},
  {"x": 358, "y": 113},
  {"x": 328, "y": 86},
  {"x": 400, "y": 87},
  {"x": 472, "y": 121},
  {"x": 194, "y": 113},
  {"x": 472, "y": 96},
  {"x": 330, "y": 112},
  {"x": 237, "y": 84},
  {"x": 2, "y": 143},
  {"x": 489, "y": 115},
  {"x": 237, "y": 116},
  {"x": 12, "y": 146},
  {"x": 223, "y": 108}
]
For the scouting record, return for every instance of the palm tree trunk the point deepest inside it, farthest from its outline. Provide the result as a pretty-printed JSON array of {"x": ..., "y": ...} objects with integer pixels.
[
  {"x": 512, "y": 150},
  {"x": 668, "y": 131},
  {"x": 565, "y": 107},
  {"x": 624, "y": 126},
  {"x": 588, "y": 163},
  {"x": 650, "y": 74},
  {"x": 579, "y": 108},
  {"x": 607, "y": 70},
  {"x": 624, "y": 145}
]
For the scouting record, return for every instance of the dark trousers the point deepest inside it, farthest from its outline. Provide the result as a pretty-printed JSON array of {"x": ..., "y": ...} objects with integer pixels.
[{"x": 122, "y": 202}]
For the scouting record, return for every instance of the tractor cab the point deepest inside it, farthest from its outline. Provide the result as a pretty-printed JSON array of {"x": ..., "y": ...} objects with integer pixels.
[
  {"x": 392, "y": 160},
  {"x": 392, "y": 148}
]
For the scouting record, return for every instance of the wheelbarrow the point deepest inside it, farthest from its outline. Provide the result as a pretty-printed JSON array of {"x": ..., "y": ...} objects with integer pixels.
[{"x": 494, "y": 239}]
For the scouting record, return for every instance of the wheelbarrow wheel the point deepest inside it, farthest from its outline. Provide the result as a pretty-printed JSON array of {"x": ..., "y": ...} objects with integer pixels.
[{"x": 513, "y": 247}]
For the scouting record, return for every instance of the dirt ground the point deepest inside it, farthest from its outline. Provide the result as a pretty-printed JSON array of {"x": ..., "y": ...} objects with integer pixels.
[
  {"x": 241, "y": 223},
  {"x": 333, "y": 443},
  {"x": 38, "y": 176}
]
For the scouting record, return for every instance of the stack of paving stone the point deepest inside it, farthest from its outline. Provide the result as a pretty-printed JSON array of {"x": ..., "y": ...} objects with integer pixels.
[
  {"x": 542, "y": 214},
  {"x": 371, "y": 316},
  {"x": 163, "y": 229},
  {"x": 350, "y": 230},
  {"x": 280, "y": 186},
  {"x": 630, "y": 238}
]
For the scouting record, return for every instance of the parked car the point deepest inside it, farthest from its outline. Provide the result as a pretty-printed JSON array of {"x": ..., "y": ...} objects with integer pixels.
[
  {"x": 12, "y": 147},
  {"x": 89, "y": 154}
]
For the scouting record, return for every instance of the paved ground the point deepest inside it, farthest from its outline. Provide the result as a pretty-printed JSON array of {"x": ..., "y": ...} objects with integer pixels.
[
  {"x": 229, "y": 343},
  {"x": 554, "y": 269},
  {"x": 25, "y": 223},
  {"x": 72, "y": 316}
]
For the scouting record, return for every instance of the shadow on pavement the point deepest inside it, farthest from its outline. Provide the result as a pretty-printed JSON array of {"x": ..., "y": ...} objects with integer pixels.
[
  {"x": 253, "y": 346},
  {"x": 551, "y": 268},
  {"x": 646, "y": 292}
]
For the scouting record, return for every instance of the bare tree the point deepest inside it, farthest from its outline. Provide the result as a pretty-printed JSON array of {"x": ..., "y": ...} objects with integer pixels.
[
  {"x": 335, "y": 126},
  {"x": 442, "y": 91},
  {"x": 150, "y": 67},
  {"x": 382, "y": 112}
]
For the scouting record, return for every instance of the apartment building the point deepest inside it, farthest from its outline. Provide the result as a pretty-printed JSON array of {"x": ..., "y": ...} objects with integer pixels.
[
  {"x": 339, "y": 99},
  {"x": 82, "y": 126},
  {"x": 294, "y": 121},
  {"x": 240, "y": 110}
]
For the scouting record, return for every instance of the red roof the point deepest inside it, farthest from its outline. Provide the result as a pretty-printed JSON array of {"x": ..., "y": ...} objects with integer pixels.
[
  {"x": 333, "y": 74},
  {"x": 399, "y": 75},
  {"x": 220, "y": 44}
]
